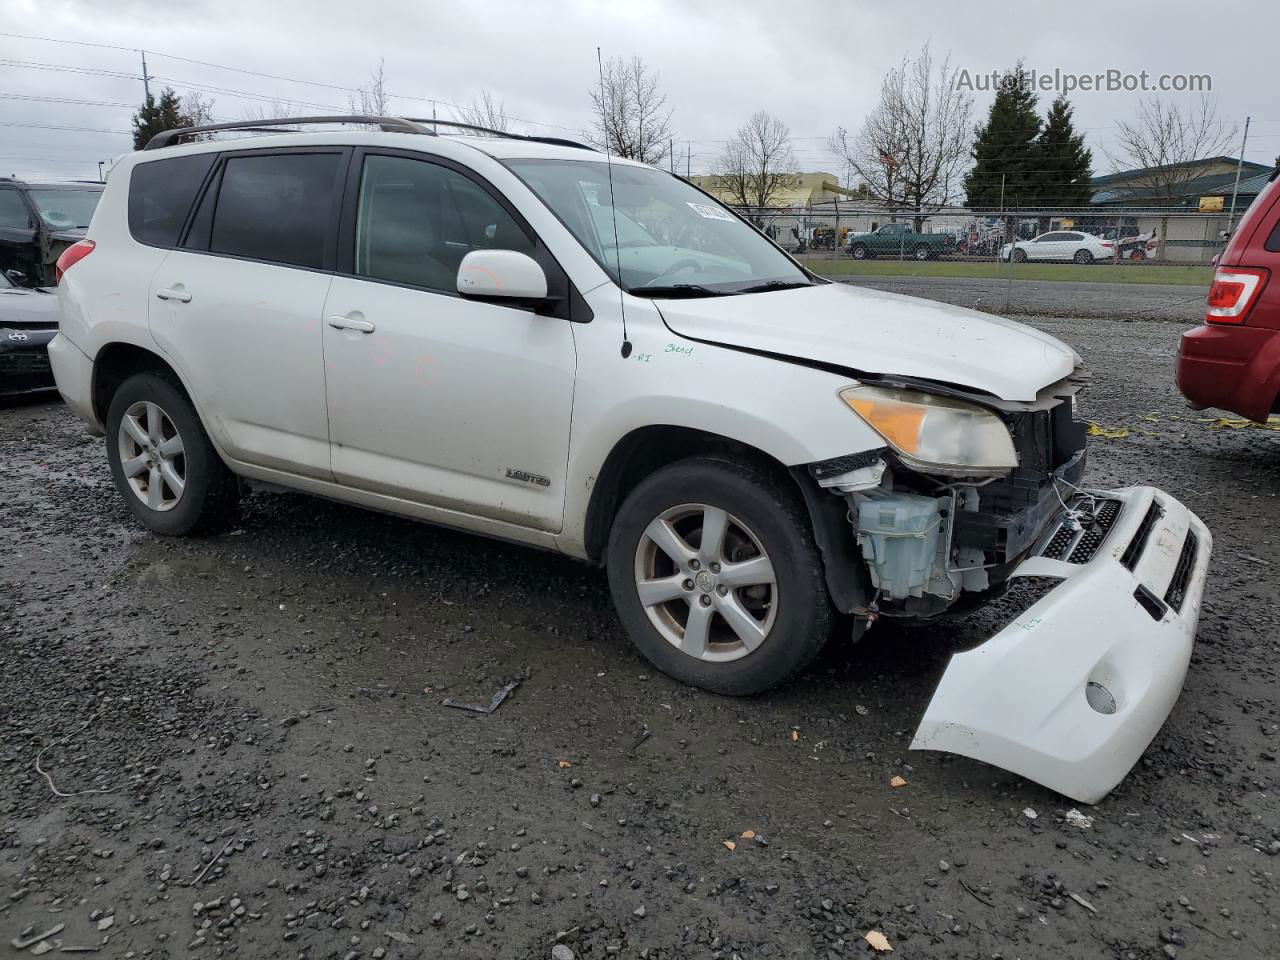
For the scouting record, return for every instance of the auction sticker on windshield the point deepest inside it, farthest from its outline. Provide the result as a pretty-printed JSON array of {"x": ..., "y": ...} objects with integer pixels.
[{"x": 708, "y": 212}]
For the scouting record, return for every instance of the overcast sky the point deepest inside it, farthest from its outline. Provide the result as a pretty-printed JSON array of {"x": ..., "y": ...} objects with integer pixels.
[{"x": 814, "y": 65}]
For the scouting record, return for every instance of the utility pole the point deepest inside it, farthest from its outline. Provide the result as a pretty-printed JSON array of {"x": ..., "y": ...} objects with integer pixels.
[
  {"x": 146, "y": 80},
  {"x": 671, "y": 152},
  {"x": 688, "y": 159},
  {"x": 1231, "y": 217}
]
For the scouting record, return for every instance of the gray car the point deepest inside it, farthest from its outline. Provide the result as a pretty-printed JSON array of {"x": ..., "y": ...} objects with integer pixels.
[{"x": 28, "y": 321}]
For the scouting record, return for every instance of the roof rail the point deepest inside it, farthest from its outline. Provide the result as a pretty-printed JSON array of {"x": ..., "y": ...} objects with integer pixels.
[
  {"x": 554, "y": 141},
  {"x": 167, "y": 138}
]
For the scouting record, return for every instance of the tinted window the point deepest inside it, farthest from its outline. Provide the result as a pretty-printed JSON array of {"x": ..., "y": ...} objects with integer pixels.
[
  {"x": 160, "y": 196},
  {"x": 277, "y": 207},
  {"x": 1273, "y": 241},
  {"x": 13, "y": 212},
  {"x": 417, "y": 220}
]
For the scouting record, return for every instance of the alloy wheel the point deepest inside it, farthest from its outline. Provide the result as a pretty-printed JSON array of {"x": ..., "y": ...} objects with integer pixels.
[
  {"x": 152, "y": 456},
  {"x": 706, "y": 582}
]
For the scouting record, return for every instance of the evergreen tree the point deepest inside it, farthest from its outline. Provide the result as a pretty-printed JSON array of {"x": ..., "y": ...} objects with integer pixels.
[
  {"x": 155, "y": 116},
  {"x": 1065, "y": 163},
  {"x": 1005, "y": 148}
]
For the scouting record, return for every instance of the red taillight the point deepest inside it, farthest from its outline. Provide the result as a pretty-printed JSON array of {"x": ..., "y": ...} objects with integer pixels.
[
  {"x": 1232, "y": 293},
  {"x": 70, "y": 257}
]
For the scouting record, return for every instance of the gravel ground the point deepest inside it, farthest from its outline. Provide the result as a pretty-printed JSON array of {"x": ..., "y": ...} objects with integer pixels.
[
  {"x": 1051, "y": 298},
  {"x": 251, "y": 732}
]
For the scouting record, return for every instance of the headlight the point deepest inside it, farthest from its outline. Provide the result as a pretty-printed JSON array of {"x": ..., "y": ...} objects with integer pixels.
[{"x": 935, "y": 434}]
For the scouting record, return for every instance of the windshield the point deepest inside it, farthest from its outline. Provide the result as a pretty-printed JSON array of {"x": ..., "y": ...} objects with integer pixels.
[
  {"x": 66, "y": 209},
  {"x": 672, "y": 240}
]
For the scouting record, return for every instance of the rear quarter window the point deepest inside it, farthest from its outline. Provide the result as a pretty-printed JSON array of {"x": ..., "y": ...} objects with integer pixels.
[
  {"x": 1273, "y": 242},
  {"x": 160, "y": 196}
]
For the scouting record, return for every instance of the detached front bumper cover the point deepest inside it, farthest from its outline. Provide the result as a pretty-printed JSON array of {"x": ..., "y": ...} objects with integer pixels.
[{"x": 1072, "y": 692}]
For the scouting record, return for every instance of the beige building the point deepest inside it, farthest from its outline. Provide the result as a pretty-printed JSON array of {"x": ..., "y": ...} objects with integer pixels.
[{"x": 809, "y": 188}]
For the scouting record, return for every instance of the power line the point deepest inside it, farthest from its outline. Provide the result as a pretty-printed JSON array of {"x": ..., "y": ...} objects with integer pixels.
[
  {"x": 48, "y": 126},
  {"x": 67, "y": 100}
]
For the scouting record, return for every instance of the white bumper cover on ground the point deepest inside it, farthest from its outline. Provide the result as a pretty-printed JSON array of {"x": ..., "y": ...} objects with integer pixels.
[{"x": 1071, "y": 693}]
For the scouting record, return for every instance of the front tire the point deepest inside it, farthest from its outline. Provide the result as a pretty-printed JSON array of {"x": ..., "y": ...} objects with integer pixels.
[
  {"x": 716, "y": 577},
  {"x": 162, "y": 461},
  {"x": 1019, "y": 256}
]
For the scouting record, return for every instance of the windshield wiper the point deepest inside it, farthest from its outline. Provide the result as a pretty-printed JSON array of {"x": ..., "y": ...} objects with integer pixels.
[
  {"x": 680, "y": 290},
  {"x": 776, "y": 285}
]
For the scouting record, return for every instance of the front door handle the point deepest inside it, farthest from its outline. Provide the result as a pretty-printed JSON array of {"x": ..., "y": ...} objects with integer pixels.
[
  {"x": 352, "y": 323},
  {"x": 174, "y": 293}
]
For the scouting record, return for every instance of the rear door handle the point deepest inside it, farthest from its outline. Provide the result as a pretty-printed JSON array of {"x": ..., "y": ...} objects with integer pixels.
[
  {"x": 170, "y": 293},
  {"x": 352, "y": 323}
]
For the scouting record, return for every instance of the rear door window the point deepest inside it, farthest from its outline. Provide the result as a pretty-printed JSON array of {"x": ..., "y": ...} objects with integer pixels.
[
  {"x": 160, "y": 196},
  {"x": 279, "y": 208}
]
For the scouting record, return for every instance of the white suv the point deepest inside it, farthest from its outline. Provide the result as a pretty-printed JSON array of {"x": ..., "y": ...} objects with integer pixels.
[{"x": 517, "y": 337}]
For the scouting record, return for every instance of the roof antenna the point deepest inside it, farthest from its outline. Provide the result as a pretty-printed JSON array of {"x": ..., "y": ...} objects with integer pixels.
[{"x": 617, "y": 250}]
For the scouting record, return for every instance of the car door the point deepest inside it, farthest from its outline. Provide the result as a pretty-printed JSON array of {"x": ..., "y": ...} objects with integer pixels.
[
  {"x": 454, "y": 403},
  {"x": 238, "y": 306},
  {"x": 18, "y": 248},
  {"x": 1043, "y": 247}
]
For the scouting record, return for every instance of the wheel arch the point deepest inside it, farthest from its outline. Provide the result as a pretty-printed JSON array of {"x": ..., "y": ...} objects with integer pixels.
[
  {"x": 647, "y": 449},
  {"x": 118, "y": 361}
]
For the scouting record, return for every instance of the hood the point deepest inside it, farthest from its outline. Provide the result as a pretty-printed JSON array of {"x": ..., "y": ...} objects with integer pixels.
[
  {"x": 22, "y": 307},
  {"x": 883, "y": 333}
]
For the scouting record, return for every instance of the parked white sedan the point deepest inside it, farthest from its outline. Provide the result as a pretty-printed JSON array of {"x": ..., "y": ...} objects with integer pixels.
[{"x": 1060, "y": 245}]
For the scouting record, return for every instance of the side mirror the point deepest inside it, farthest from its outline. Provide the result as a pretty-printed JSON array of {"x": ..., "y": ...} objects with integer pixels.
[{"x": 501, "y": 275}]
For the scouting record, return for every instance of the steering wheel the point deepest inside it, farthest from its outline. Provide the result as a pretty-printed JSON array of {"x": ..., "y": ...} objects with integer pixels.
[{"x": 675, "y": 268}]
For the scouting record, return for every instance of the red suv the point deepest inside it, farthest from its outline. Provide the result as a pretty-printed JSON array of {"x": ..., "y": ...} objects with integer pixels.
[{"x": 1232, "y": 360}]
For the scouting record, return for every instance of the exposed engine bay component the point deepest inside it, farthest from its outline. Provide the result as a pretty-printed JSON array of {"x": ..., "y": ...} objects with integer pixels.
[{"x": 899, "y": 534}]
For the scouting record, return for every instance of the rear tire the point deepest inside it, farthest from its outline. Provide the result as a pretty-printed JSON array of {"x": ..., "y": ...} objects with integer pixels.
[
  {"x": 1083, "y": 257},
  {"x": 858, "y": 251},
  {"x": 162, "y": 461},
  {"x": 691, "y": 623},
  {"x": 922, "y": 252}
]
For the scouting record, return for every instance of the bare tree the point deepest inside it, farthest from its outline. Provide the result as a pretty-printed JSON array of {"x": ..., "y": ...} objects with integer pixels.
[
  {"x": 912, "y": 149},
  {"x": 271, "y": 110},
  {"x": 1163, "y": 142},
  {"x": 484, "y": 111},
  {"x": 372, "y": 100},
  {"x": 757, "y": 165},
  {"x": 197, "y": 108},
  {"x": 632, "y": 117}
]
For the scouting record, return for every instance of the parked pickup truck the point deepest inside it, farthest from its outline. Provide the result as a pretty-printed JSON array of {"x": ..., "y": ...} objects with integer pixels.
[{"x": 898, "y": 239}]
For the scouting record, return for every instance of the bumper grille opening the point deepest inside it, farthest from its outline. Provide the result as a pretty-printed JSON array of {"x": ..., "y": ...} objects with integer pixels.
[
  {"x": 1133, "y": 552},
  {"x": 1177, "y": 591},
  {"x": 1149, "y": 602},
  {"x": 1079, "y": 543}
]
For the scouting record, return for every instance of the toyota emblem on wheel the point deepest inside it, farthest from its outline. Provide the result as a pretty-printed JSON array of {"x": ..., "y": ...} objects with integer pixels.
[{"x": 19, "y": 337}]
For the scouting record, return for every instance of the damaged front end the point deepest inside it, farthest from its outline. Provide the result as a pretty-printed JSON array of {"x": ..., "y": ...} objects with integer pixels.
[{"x": 1073, "y": 690}]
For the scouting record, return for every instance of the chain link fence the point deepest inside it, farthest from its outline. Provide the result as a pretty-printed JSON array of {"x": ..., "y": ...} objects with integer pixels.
[{"x": 1123, "y": 236}]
